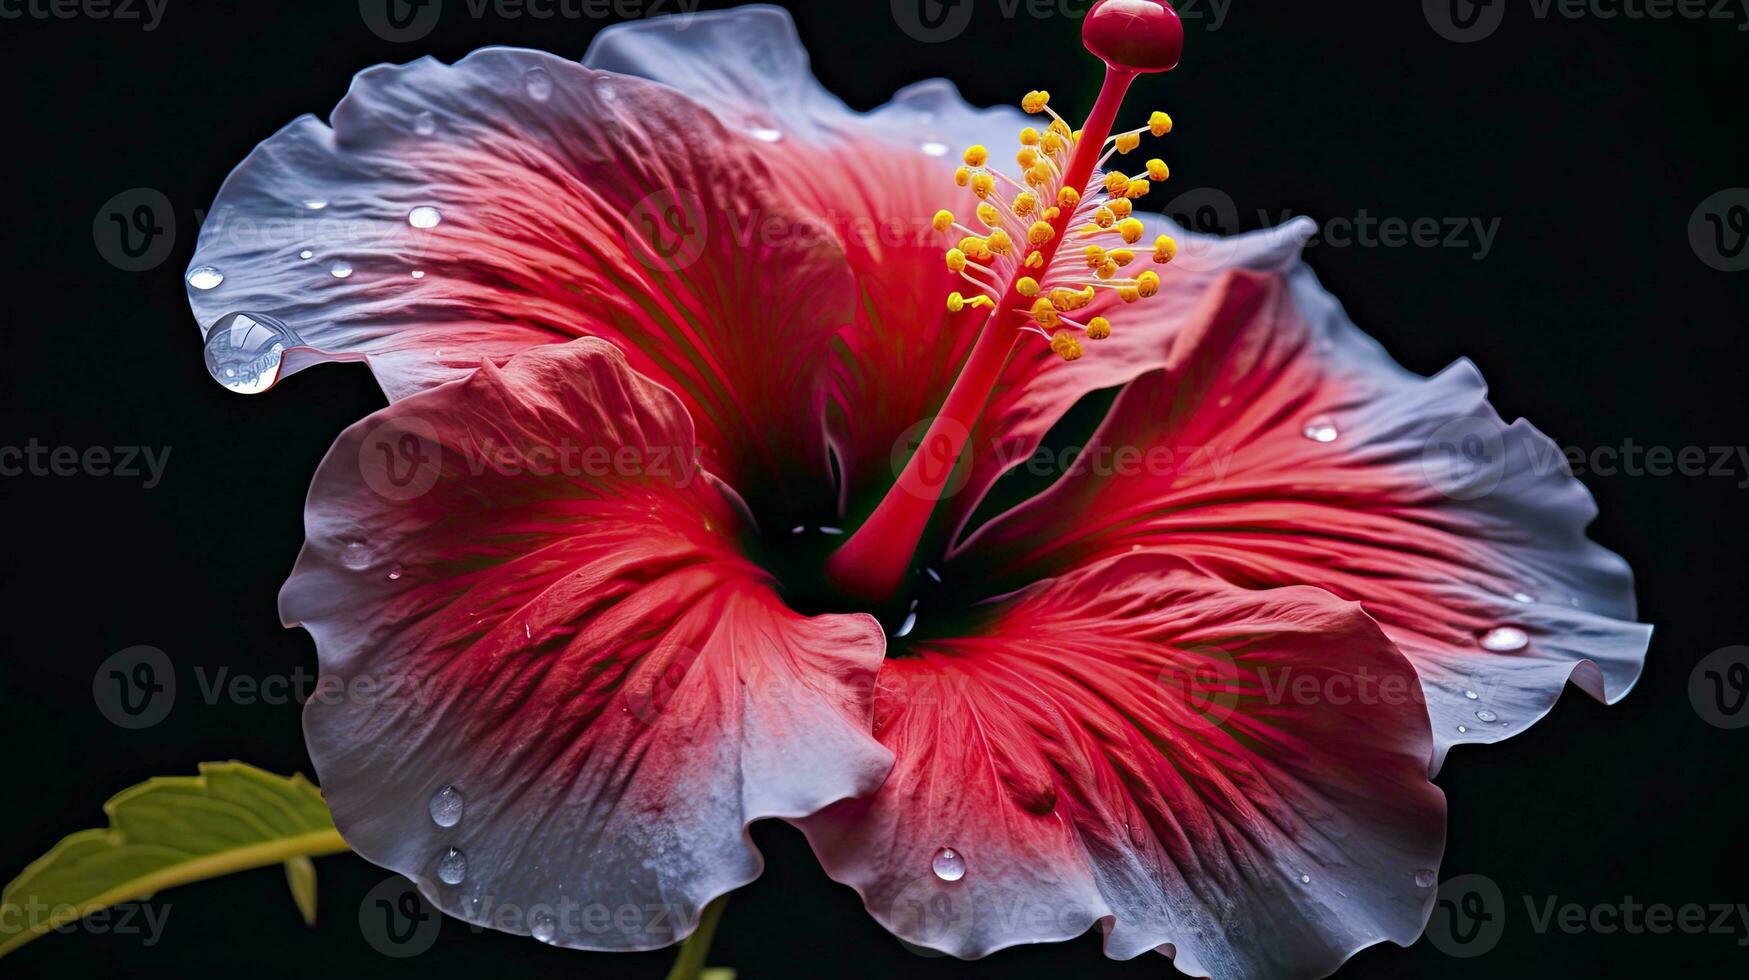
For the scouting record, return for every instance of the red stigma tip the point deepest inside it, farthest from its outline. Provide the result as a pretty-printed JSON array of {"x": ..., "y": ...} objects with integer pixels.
[{"x": 1134, "y": 35}]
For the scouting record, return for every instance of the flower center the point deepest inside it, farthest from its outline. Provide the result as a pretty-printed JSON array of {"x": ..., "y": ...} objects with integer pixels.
[{"x": 1023, "y": 279}]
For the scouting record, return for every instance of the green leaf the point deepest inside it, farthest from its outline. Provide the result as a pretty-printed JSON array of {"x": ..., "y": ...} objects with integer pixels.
[
  {"x": 300, "y": 874},
  {"x": 171, "y": 831}
]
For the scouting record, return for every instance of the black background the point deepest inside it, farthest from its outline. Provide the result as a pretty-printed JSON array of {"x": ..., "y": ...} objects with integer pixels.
[{"x": 1592, "y": 141}]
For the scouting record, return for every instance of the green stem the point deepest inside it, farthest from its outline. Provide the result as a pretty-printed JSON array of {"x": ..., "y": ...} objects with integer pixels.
[{"x": 690, "y": 963}]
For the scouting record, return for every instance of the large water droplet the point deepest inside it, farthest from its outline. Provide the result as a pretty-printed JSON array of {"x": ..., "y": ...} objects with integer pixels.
[
  {"x": 948, "y": 865},
  {"x": 424, "y": 217},
  {"x": 543, "y": 926},
  {"x": 446, "y": 806},
  {"x": 425, "y": 124},
  {"x": 1425, "y": 878},
  {"x": 1472, "y": 695},
  {"x": 538, "y": 83},
  {"x": 340, "y": 270},
  {"x": 1486, "y": 715},
  {"x": 1504, "y": 639},
  {"x": 765, "y": 135},
  {"x": 1321, "y": 428},
  {"x": 452, "y": 867},
  {"x": 355, "y": 555},
  {"x": 243, "y": 351},
  {"x": 205, "y": 277}
]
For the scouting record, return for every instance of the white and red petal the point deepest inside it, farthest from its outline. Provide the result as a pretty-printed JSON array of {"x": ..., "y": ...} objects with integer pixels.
[
  {"x": 1237, "y": 777},
  {"x": 564, "y": 202},
  {"x": 553, "y": 693},
  {"x": 1281, "y": 446}
]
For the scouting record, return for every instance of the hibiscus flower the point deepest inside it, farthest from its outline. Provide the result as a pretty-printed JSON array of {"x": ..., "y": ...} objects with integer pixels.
[{"x": 669, "y": 526}]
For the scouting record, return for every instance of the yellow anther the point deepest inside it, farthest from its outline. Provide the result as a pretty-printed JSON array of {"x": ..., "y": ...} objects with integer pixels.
[
  {"x": 1041, "y": 232},
  {"x": 975, "y": 248},
  {"x": 1095, "y": 256},
  {"x": 1117, "y": 182},
  {"x": 1165, "y": 249},
  {"x": 962, "y": 176},
  {"x": 983, "y": 185},
  {"x": 1122, "y": 256},
  {"x": 1000, "y": 243},
  {"x": 1128, "y": 294},
  {"x": 1148, "y": 283},
  {"x": 1027, "y": 286},
  {"x": 1068, "y": 197},
  {"x": 1106, "y": 269},
  {"x": 1039, "y": 174},
  {"x": 1024, "y": 204},
  {"x": 1139, "y": 188},
  {"x": 1052, "y": 214},
  {"x": 955, "y": 302},
  {"x": 1026, "y": 157},
  {"x": 1120, "y": 207},
  {"x": 1128, "y": 142},
  {"x": 956, "y": 260},
  {"x": 1035, "y": 101},
  {"x": 1029, "y": 137},
  {"x": 1065, "y": 346},
  {"x": 1098, "y": 328},
  {"x": 1035, "y": 261},
  {"x": 1105, "y": 217},
  {"x": 1159, "y": 124},
  {"x": 1132, "y": 230},
  {"x": 943, "y": 220},
  {"x": 1060, "y": 127},
  {"x": 1158, "y": 171},
  {"x": 1063, "y": 300},
  {"x": 1045, "y": 312},
  {"x": 979, "y": 301},
  {"x": 1086, "y": 298},
  {"x": 977, "y": 155},
  {"x": 1052, "y": 142},
  {"x": 988, "y": 214}
]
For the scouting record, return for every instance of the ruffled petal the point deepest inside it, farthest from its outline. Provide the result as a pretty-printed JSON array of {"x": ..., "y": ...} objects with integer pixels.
[
  {"x": 1235, "y": 777},
  {"x": 553, "y": 693},
  {"x": 557, "y": 202},
  {"x": 1281, "y": 446}
]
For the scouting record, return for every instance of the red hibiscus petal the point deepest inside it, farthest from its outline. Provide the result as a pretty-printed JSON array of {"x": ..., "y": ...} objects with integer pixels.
[
  {"x": 1236, "y": 776},
  {"x": 1281, "y": 446},
  {"x": 526, "y": 598},
  {"x": 567, "y": 203}
]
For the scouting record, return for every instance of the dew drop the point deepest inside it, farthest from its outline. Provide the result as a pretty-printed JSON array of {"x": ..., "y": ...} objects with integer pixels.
[
  {"x": 1523, "y": 597},
  {"x": 316, "y": 204},
  {"x": 340, "y": 270},
  {"x": 1321, "y": 428},
  {"x": 1305, "y": 879},
  {"x": 543, "y": 927},
  {"x": 355, "y": 555},
  {"x": 1425, "y": 878},
  {"x": 395, "y": 574},
  {"x": 1463, "y": 729},
  {"x": 243, "y": 351},
  {"x": 452, "y": 867},
  {"x": 424, "y": 217},
  {"x": 446, "y": 807},
  {"x": 934, "y": 149},
  {"x": 205, "y": 277},
  {"x": 419, "y": 273},
  {"x": 948, "y": 865},
  {"x": 538, "y": 83},
  {"x": 1504, "y": 639},
  {"x": 767, "y": 135},
  {"x": 932, "y": 573},
  {"x": 1472, "y": 695},
  {"x": 306, "y": 254},
  {"x": 425, "y": 124},
  {"x": 907, "y": 626},
  {"x": 834, "y": 531},
  {"x": 1486, "y": 715}
]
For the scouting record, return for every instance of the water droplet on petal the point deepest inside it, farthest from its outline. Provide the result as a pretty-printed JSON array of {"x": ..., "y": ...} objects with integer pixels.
[
  {"x": 1321, "y": 428},
  {"x": 1305, "y": 879},
  {"x": 907, "y": 626},
  {"x": 1523, "y": 597},
  {"x": 1472, "y": 695},
  {"x": 424, "y": 217},
  {"x": 205, "y": 277},
  {"x": 340, "y": 270},
  {"x": 1463, "y": 730},
  {"x": 543, "y": 927},
  {"x": 419, "y": 273},
  {"x": 446, "y": 807},
  {"x": 452, "y": 867},
  {"x": 425, "y": 124},
  {"x": 932, "y": 573},
  {"x": 243, "y": 351},
  {"x": 1486, "y": 715},
  {"x": 767, "y": 135},
  {"x": 355, "y": 555},
  {"x": 395, "y": 574},
  {"x": 948, "y": 865},
  {"x": 834, "y": 531},
  {"x": 934, "y": 149},
  {"x": 538, "y": 83},
  {"x": 1425, "y": 878},
  {"x": 316, "y": 205},
  {"x": 1504, "y": 639}
]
